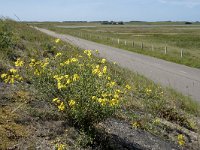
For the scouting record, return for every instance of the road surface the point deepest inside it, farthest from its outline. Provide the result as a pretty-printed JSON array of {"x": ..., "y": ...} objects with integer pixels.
[{"x": 183, "y": 79}]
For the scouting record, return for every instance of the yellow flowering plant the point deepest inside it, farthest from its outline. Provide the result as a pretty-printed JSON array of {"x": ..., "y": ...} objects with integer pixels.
[
  {"x": 11, "y": 76},
  {"x": 80, "y": 87},
  {"x": 87, "y": 93}
]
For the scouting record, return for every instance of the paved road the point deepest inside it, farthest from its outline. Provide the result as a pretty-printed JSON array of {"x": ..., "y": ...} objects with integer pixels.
[{"x": 179, "y": 77}]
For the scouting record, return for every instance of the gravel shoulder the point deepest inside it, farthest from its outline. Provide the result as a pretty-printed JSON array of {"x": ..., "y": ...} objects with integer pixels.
[{"x": 183, "y": 79}]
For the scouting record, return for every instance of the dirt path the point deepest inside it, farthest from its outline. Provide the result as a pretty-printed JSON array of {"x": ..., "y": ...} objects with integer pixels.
[{"x": 179, "y": 77}]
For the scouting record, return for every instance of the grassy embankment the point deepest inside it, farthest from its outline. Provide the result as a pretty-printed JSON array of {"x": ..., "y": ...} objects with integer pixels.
[
  {"x": 155, "y": 39},
  {"x": 59, "y": 70}
]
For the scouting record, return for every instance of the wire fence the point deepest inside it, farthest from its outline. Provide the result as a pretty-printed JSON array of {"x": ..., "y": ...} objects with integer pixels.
[{"x": 131, "y": 44}]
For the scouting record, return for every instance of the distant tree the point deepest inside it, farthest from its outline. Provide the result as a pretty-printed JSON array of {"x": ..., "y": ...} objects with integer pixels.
[
  {"x": 188, "y": 22},
  {"x": 121, "y": 23}
]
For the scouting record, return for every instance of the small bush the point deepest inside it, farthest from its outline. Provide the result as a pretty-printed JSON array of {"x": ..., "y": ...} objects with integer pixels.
[
  {"x": 80, "y": 86},
  {"x": 6, "y": 35}
]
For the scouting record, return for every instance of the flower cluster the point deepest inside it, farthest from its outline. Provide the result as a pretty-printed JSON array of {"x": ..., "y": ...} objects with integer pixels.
[
  {"x": 38, "y": 66},
  {"x": 11, "y": 76},
  {"x": 60, "y": 105},
  {"x": 88, "y": 53},
  {"x": 98, "y": 71},
  {"x": 19, "y": 63},
  {"x": 64, "y": 80},
  {"x": 68, "y": 61},
  {"x": 181, "y": 139},
  {"x": 60, "y": 146},
  {"x": 58, "y": 54},
  {"x": 57, "y": 41},
  {"x": 136, "y": 124}
]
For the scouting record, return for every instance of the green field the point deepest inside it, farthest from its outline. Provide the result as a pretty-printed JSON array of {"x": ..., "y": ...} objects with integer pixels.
[
  {"x": 29, "y": 116},
  {"x": 171, "y": 41}
]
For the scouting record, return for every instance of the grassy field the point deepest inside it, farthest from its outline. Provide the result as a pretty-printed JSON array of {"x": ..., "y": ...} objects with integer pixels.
[
  {"x": 178, "y": 43},
  {"x": 48, "y": 90}
]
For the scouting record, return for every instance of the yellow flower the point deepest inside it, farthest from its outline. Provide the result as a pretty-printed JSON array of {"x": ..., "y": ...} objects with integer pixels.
[
  {"x": 72, "y": 103},
  {"x": 68, "y": 81},
  {"x": 61, "y": 107},
  {"x": 3, "y": 75},
  {"x": 56, "y": 77},
  {"x": 128, "y": 87},
  {"x": 13, "y": 70},
  {"x": 114, "y": 102},
  {"x": 109, "y": 78},
  {"x": 60, "y": 146},
  {"x": 181, "y": 142},
  {"x": 104, "y": 95},
  {"x": 19, "y": 63},
  {"x": 181, "y": 139},
  {"x": 103, "y": 61},
  {"x": 32, "y": 63},
  {"x": 102, "y": 101},
  {"x": 57, "y": 40},
  {"x": 67, "y": 62},
  {"x": 37, "y": 72},
  {"x": 60, "y": 86},
  {"x": 18, "y": 77},
  {"x": 136, "y": 124},
  {"x": 97, "y": 66},
  {"x": 66, "y": 76},
  {"x": 44, "y": 64},
  {"x": 74, "y": 59},
  {"x": 118, "y": 91},
  {"x": 7, "y": 79},
  {"x": 116, "y": 96},
  {"x": 95, "y": 71},
  {"x": 56, "y": 100},
  {"x": 12, "y": 80},
  {"x": 88, "y": 52},
  {"x": 111, "y": 84},
  {"x": 100, "y": 74},
  {"x": 76, "y": 77},
  {"x": 94, "y": 97},
  {"x": 58, "y": 54},
  {"x": 104, "y": 69}
]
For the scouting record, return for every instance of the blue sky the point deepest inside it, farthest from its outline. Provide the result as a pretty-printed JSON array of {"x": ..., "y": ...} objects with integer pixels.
[{"x": 125, "y": 10}]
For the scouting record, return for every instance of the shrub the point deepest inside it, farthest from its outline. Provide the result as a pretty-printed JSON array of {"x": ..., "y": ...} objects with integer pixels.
[
  {"x": 6, "y": 35},
  {"x": 80, "y": 86}
]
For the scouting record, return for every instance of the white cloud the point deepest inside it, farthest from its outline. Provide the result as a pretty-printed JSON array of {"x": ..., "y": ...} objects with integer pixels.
[{"x": 187, "y": 3}]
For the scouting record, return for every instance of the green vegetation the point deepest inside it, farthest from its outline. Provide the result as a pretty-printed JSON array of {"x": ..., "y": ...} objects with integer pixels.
[
  {"x": 45, "y": 81},
  {"x": 146, "y": 39}
]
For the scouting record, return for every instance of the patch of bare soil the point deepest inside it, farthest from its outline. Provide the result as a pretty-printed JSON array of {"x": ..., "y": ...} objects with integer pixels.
[{"x": 120, "y": 135}]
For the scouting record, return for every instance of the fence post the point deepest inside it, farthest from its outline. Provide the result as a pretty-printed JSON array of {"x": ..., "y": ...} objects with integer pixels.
[
  {"x": 133, "y": 44},
  {"x": 181, "y": 53},
  {"x": 125, "y": 42},
  {"x": 165, "y": 50},
  {"x": 118, "y": 41}
]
